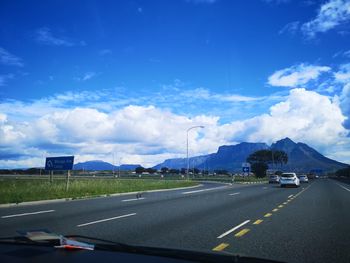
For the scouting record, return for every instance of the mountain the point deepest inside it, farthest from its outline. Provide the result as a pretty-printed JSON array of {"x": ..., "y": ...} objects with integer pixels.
[
  {"x": 302, "y": 158},
  {"x": 228, "y": 157},
  {"x": 98, "y": 165}
]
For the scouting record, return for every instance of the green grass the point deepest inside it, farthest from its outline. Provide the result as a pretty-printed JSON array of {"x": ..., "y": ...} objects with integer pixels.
[
  {"x": 228, "y": 179},
  {"x": 21, "y": 190}
]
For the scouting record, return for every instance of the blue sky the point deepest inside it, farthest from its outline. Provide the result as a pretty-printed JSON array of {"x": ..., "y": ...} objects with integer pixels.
[{"x": 92, "y": 78}]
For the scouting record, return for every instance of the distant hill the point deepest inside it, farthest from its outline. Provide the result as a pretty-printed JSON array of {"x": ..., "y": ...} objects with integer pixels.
[
  {"x": 302, "y": 158},
  {"x": 98, "y": 165},
  {"x": 228, "y": 157}
]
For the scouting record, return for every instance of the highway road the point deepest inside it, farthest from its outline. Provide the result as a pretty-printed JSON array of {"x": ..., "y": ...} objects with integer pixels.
[{"x": 306, "y": 224}]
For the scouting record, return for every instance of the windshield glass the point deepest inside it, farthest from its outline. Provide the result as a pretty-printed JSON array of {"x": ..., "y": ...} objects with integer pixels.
[
  {"x": 288, "y": 175},
  {"x": 179, "y": 124}
]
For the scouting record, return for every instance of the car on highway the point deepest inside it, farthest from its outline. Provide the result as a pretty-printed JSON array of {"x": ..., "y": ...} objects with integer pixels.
[
  {"x": 289, "y": 179},
  {"x": 274, "y": 179},
  {"x": 303, "y": 178}
]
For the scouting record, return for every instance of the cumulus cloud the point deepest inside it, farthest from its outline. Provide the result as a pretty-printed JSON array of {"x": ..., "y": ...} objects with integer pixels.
[
  {"x": 147, "y": 135},
  {"x": 296, "y": 75},
  {"x": 7, "y": 58},
  {"x": 330, "y": 15},
  {"x": 305, "y": 116},
  {"x": 343, "y": 75}
]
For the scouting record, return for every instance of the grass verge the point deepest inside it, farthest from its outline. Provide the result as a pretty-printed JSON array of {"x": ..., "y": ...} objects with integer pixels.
[{"x": 21, "y": 190}]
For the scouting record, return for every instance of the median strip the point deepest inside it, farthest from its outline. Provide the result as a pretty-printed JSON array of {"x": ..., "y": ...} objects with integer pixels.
[
  {"x": 27, "y": 214},
  {"x": 257, "y": 222},
  {"x": 242, "y": 232},
  {"x": 104, "y": 220},
  {"x": 220, "y": 247},
  {"x": 233, "y": 229}
]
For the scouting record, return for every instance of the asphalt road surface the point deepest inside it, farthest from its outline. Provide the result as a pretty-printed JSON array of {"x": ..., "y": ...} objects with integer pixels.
[{"x": 306, "y": 224}]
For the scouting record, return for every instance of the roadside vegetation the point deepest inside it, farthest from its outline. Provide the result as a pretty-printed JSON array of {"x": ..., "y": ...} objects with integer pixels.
[{"x": 21, "y": 190}]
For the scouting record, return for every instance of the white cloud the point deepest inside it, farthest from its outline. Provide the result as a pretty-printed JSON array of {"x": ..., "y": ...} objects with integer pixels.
[
  {"x": 45, "y": 36},
  {"x": 330, "y": 15},
  {"x": 205, "y": 94},
  {"x": 296, "y": 75},
  {"x": 5, "y": 78},
  {"x": 291, "y": 28},
  {"x": 300, "y": 118},
  {"x": 343, "y": 75},
  {"x": 147, "y": 134},
  {"x": 87, "y": 76},
  {"x": 7, "y": 58}
]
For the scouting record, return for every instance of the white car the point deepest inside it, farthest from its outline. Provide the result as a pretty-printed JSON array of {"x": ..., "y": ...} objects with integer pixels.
[
  {"x": 289, "y": 179},
  {"x": 303, "y": 178}
]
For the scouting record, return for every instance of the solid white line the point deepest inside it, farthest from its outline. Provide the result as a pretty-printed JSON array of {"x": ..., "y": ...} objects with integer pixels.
[
  {"x": 235, "y": 193},
  {"x": 134, "y": 199},
  {"x": 27, "y": 214},
  {"x": 104, "y": 220},
  {"x": 202, "y": 190},
  {"x": 344, "y": 187},
  {"x": 233, "y": 229}
]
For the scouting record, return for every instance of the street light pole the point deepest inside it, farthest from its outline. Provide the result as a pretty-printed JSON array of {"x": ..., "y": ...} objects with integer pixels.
[{"x": 188, "y": 162}]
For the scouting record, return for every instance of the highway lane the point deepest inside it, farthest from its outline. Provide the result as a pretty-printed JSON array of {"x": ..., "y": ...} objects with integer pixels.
[{"x": 310, "y": 225}]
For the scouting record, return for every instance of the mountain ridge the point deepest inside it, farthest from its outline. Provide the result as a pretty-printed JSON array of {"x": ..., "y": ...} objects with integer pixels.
[{"x": 301, "y": 158}]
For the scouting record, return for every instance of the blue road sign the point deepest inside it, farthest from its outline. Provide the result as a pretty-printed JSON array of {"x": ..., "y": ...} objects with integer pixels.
[
  {"x": 59, "y": 163},
  {"x": 245, "y": 169}
]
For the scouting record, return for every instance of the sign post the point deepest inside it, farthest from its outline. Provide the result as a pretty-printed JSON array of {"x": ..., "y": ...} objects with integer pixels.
[
  {"x": 62, "y": 163},
  {"x": 246, "y": 169}
]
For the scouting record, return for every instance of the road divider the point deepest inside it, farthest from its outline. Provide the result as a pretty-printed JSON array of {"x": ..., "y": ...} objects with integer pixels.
[
  {"x": 221, "y": 247},
  {"x": 28, "y": 214},
  {"x": 233, "y": 229},
  {"x": 257, "y": 222},
  {"x": 106, "y": 219},
  {"x": 242, "y": 232}
]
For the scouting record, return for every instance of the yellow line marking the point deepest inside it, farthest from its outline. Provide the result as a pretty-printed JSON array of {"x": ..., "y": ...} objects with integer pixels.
[
  {"x": 275, "y": 210},
  {"x": 268, "y": 215},
  {"x": 285, "y": 203},
  {"x": 280, "y": 206},
  {"x": 257, "y": 222},
  {"x": 221, "y": 247},
  {"x": 242, "y": 232}
]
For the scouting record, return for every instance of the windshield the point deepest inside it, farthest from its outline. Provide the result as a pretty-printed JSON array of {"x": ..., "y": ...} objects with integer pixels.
[
  {"x": 179, "y": 124},
  {"x": 288, "y": 175}
]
